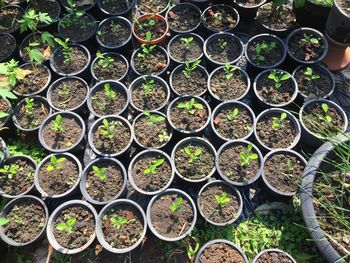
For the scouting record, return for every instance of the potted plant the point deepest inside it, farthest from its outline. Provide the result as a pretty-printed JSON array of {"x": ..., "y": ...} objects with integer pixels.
[
  {"x": 71, "y": 227},
  {"x": 150, "y": 29},
  {"x": 7, "y": 46},
  {"x": 116, "y": 7},
  {"x": 108, "y": 97},
  {"x": 62, "y": 132},
  {"x": 121, "y": 226},
  {"x": 218, "y": 18},
  {"x": 194, "y": 159},
  {"x": 51, "y": 7},
  {"x": 78, "y": 5},
  {"x": 232, "y": 120},
  {"x": 23, "y": 221},
  {"x": 189, "y": 114},
  {"x": 10, "y": 14},
  {"x": 149, "y": 93},
  {"x": 219, "y": 203},
  {"x": 58, "y": 175},
  {"x": 103, "y": 180},
  {"x": 152, "y": 130},
  {"x": 247, "y": 8},
  {"x": 239, "y": 162},
  {"x": 151, "y": 172},
  {"x": 228, "y": 83},
  {"x": 183, "y": 18},
  {"x": 277, "y": 129},
  {"x": 171, "y": 215},
  {"x": 273, "y": 254},
  {"x": 189, "y": 79},
  {"x": 17, "y": 176},
  {"x": 110, "y": 136},
  {"x": 68, "y": 94},
  {"x": 152, "y": 7}
]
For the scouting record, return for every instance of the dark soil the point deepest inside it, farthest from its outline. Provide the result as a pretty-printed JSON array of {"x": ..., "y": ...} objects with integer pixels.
[
  {"x": 129, "y": 233},
  {"x": 224, "y": 49},
  {"x": 84, "y": 227},
  {"x": 81, "y": 4},
  {"x": 217, "y": 19},
  {"x": 77, "y": 31},
  {"x": 148, "y": 134},
  {"x": 181, "y": 53},
  {"x": 33, "y": 118},
  {"x": 198, "y": 168},
  {"x": 107, "y": 189},
  {"x": 152, "y": 7},
  {"x": 344, "y": 5},
  {"x": 274, "y": 257},
  {"x": 280, "y": 137},
  {"x": 238, "y": 127},
  {"x": 153, "y": 64},
  {"x": 221, "y": 252},
  {"x": 78, "y": 63},
  {"x": 279, "y": 18},
  {"x": 249, "y": 2},
  {"x": 184, "y": 19},
  {"x": 151, "y": 182},
  {"x": 184, "y": 120},
  {"x": 4, "y": 107},
  {"x": 212, "y": 210},
  {"x": 68, "y": 94},
  {"x": 21, "y": 181},
  {"x": 9, "y": 17},
  {"x": 34, "y": 81},
  {"x": 6, "y": 46},
  {"x": 230, "y": 164},
  {"x": 114, "y": 6},
  {"x": 59, "y": 180},
  {"x": 103, "y": 105},
  {"x": 43, "y": 6},
  {"x": 67, "y": 138},
  {"x": 115, "y": 72},
  {"x": 27, "y": 220},
  {"x": 157, "y": 30},
  {"x": 109, "y": 30},
  {"x": 228, "y": 89},
  {"x": 195, "y": 84},
  {"x": 284, "y": 171},
  {"x": 271, "y": 58},
  {"x": 168, "y": 223}
]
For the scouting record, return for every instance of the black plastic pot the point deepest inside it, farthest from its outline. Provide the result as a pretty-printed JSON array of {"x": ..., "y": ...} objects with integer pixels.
[
  {"x": 338, "y": 24},
  {"x": 99, "y": 231},
  {"x": 6, "y": 122},
  {"x": 4, "y": 150},
  {"x": 169, "y": 192},
  {"x": 10, "y": 206},
  {"x": 247, "y": 12},
  {"x": 14, "y": 29},
  {"x": 274, "y": 250},
  {"x": 85, "y": 173},
  {"x": 201, "y": 4},
  {"x": 126, "y": 12},
  {"x": 66, "y": 194},
  {"x": 79, "y": 145},
  {"x": 51, "y": 224},
  {"x": 160, "y": 12},
  {"x": 11, "y": 46},
  {"x": 65, "y": 4}
]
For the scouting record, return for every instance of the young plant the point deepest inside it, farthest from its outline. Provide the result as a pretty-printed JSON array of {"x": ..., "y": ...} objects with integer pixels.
[
  {"x": 153, "y": 118},
  {"x": 222, "y": 199},
  {"x": 229, "y": 71},
  {"x": 57, "y": 125},
  {"x": 192, "y": 153},
  {"x": 107, "y": 129},
  {"x": 4, "y": 221},
  {"x": 34, "y": 50},
  {"x": 104, "y": 61},
  {"x": 326, "y": 117},
  {"x": 31, "y": 19},
  {"x": 118, "y": 222},
  {"x": 146, "y": 50},
  {"x": 109, "y": 92},
  {"x": 190, "y": 106},
  {"x": 68, "y": 226},
  {"x": 222, "y": 43},
  {"x": 309, "y": 40},
  {"x": 261, "y": 50},
  {"x": 309, "y": 74},
  {"x": 247, "y": 157},
  {"x": 153, "y": 165},
  {"x": 55, "y": 163},
  {"x": 66, "y": 50},
  {"x": 115, "y": 27},
  {"x": 11, "y": 170},
  {"x": 29, "y": 105},
  {"x": 176, "y": 206},
  {"x": 64, "y": 92},
  {"x": 278, "y": 122},
  {"x": 100, "y": 172},
  {"x": 163, "y": 137},
  {"x": 10, "y": 73},
  {"x": 232, "y": 116},
  {"x": 278, "y": 77},
  {"x": 189, "y": 68},
  {"x": 148, "y": 86},
  {"x": 186, "y": 41}
]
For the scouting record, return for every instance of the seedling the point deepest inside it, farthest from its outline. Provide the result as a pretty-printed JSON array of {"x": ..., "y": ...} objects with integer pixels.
[
  {"x": 222, "y": 43},
  {"x": 148, "y": 86},
  {"x": 146, "y": 50},
  {"x": 10, "y": 170},
  {"x": 247, "y": 157},
  {"x": 190, "y": 106},
  {"x": 229, "y": 71},
  {"x": 186, "y": 41},
  {"x": 278, "y": 77},
  {"x": 261, "y": 50},
  {"x": 153, "y": 165},
  {"x": 34, "y": 49},
  {"x": 176, "y": 206},
  {"x": 55, "y": 163},
  {"x": 148, "y": 23},
  {"x": 74, "y": 17},
  {"x": 326, "y": 117},
  {"x": 109, "y": 92},
  {"x": 309, "y": 74},
  {"x": 64, "y": 91},
  {"x": 218, "y": 16},
  {"x": 29, "y": 105},
  {"x": 232, "y": 116},
  {"x": 66, "y": 50},
  {"x": 118, "y": 222},
  {"x": 31, "y": 19},
  {"x": 104, "y": 61},
  {"x": 107, "y": 129},
  {"x": 115, "y": 27},
  {"x": 190, "y": 67},
  {"x": 192, "y": 153},
  {"x": 163, "y": 137},
  {"x": 100, "y": 172},
  {"x": 68, "y": 226},
  {"x": 57, "y": 125},
  {"x": 222, "y": 199},
  {"x": 11, "y": 74},
  {"x": 4, "y": 221},
  {"x": 309, "y": 40},
  {"x": 153, "y": 118},
  {"x": 289, "y": 165},
  {"x": 278, "y": 122}
]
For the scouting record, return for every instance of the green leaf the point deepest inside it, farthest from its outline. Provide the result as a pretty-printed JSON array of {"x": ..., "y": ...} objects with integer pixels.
[
  {"x": 3, "y": 221},
  {"x": 7, "y": 93},
  {"x": 3, "y": 114},
  {"x": 285, "y": 77},
  {"x": 61, "y": 227},
  {"x": 71, "y": 221},
  {"x": 325, "y": 107}
]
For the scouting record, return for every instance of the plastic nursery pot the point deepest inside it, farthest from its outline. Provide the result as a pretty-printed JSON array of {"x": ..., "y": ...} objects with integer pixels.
[
  {"x": 10, "y": 23},
  {"x": 220, "y": 248},
  {"x": 44, "y": 164},
  {"x": 59, "y": 67},
  {"x": 226, "y": 129},
  {"x": 277, "y": 252},
  {"x": 163, "y": 199},
  {"x": 102, "y": 150},
  {"x": 68, "y": 94},
  {"x": 154, "y": 131},
  {"x": 80, "y": 5},
  {"x": 126, "y": 206},
  {"x": 248, "y": 10},
  {"x": 274, "y": 138},
  {"x": 76, "y": 129},
  {"x": 109, "y": 183},
  {"x": 223, "y": 48},
  {"x": 116, "y": 8},
  {"x": 227, "y": 164},
  {"x": 7, "y": 46},
  {"x": 41, "y": 110},
  {"x": 117, "y": 72},
  {"x": 188, "y": 127},
  {"x": 89, "y": 209},
  {"x": 293, "y": 46},
  {"x": 115, "y": 106},
  {"x": 311, "y": 85},
  {"x": 53, "y": 8},
  {"x": 32, "y": 217},
  {"x": 27, "y": 181},
  {"x": 183, "y": 18},
  {"x": 154, "y": 17},
  {"x": 6, "y": 121},
  {"x": 221, "y": 187},
  {"x": 151, "y": 183},
  {"x": 146, "y": 7},
  {"x": 179, "y": 157},
  {"x": 142, "y": 102},
  {"x": 281, "y": 177},
  {"x": 311, "y": 138},
  {"x": 4, "y": 151},
  {"x": 338, "y": 24},
  {"x": 264, "y": 103}
]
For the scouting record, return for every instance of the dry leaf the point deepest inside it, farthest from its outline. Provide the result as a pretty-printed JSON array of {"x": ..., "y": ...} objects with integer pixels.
[{"x": 47, "y": 53}]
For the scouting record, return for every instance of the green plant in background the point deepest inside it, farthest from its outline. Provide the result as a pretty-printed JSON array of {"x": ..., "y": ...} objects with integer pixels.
[
  {"x": 104, "y": 61},
  {"x": 19, "y": 147},
  {"x": 74, "y": 17},
  {"x": 153, "y": 118},
  {"x": 277, "y": 122},
  {"x": 57, "y": 124},
  {"x": 186, "y": 41},
  {"x": 67, "y": 51},
  {"x": 176, "y": 206},
  {"x": 261, "y": 50},
  {"x": 118, "y": 222},
  {"x": 147, "y": 86},
  {"x": 107, "y": 129},
  {"x": 31, "y": 19},
  {"x": 68, "y": 226},
  {"x": 229, "y": 71},
  {"x": 190, "y": 106},
  {"x": 153, "y": 165},
  {"x": 248, "y": 156},
  {"x": 192, "y": 153},
  {"x": 189, "y": 68},
  {"x": 232, "y": 116},
  {"x": 11, "y": 170},
  {"x": 12, "y": 74},
  {"x": 326, "y": 117},
  {"x": 309, "y": 74},
  {"x": 109, "y": 92},
  {"x": 222, "y": 199},
  {"x": 101, "y": 173},
  {"x": 55, "y": 163},
  {"x": 58, "y": 257},
  {"x": 278, "y": 77},
  {"x": 21, "y": 259}
]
